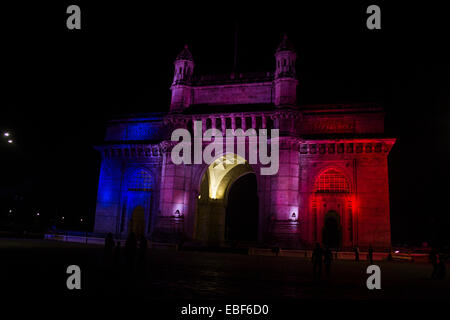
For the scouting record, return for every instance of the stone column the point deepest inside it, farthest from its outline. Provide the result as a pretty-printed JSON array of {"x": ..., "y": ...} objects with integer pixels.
[
  {"x": 284, "y": 189},
  {"x": 222, "y": 118},
  {"x": 233, "y": 122},
  {"x": 203, "y": 124},
  {"x": 194, "y": 129},
  {"x": 243, "y": 123}
]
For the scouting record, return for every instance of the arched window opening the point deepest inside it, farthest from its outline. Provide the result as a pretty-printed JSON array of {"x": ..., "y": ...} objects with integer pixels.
[
  {"x": 208, "y": 123},
  {"x": 248, "y": 123},
  {"x": 218, "y": 123},
  {"x": 238, "y": 123},
  {"x": 332, "y": 181},
  {"x": 228, "y": 123},
  {"x": 140, "y": 181},
  {"x": 190, "y": 127},
  {"x": 258, "y": 123}
]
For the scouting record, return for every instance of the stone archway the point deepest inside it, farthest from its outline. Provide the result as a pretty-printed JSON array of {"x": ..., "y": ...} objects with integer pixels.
[
  {"x": 215, "y": 187},
  {"x": 332, "y": 230},
  {"x": 241, "y": 221}
]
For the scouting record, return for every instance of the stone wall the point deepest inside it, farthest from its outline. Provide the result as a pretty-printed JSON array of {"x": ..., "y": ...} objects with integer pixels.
[
  {"x": 251, "y": 93},
  {"x": 363, "y": 211}
]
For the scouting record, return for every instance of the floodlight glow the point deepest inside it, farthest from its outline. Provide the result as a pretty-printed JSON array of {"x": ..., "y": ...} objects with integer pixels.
[{"x": 219, "y": 169}]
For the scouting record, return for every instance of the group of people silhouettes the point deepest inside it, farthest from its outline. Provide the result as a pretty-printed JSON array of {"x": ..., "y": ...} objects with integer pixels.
[
  {"x": 135, "y": 254},
  {"x": 320, "y": 256},
  {"x": 369, "y": 253},
  {"x": 135, "y": 251},
  {"x": 437, "y": 260},
  {"x": 325, "y": 256}
]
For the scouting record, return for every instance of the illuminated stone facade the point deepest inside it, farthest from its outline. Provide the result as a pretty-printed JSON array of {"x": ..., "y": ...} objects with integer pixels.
[{"x": 331, "y": 186}]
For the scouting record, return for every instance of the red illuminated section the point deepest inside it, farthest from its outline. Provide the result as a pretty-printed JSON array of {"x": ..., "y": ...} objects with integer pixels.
[{"x": 332, "y": 181}]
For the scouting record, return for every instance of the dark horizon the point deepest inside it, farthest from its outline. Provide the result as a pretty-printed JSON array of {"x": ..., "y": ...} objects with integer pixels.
[{"x": 62, "y": 86}]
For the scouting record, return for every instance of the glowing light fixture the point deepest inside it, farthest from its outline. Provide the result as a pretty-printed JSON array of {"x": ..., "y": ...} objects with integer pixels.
[
  {"x": 10, "y": 141},
  {"x": 6, "y": 134}
]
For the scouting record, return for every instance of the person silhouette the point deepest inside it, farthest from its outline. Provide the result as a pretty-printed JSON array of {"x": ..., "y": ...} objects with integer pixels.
[
  {"x": 117, "y": 254},
  {"x": 327, "y": 258},
  {"x": 142, "y": 253},
  {"x": 317, "y": 261},
  {"x": 441, "y": 266},
  {"x": 434, "y": 262},
  {"x": 130, "y": 250},
  {"x": 356, "y": 253},
  {"x": 109, "y": 246},
  {"x": 370, "y": 254}
]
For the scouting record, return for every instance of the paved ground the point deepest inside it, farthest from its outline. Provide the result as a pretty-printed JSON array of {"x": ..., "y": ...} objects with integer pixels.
[{"x": 37, "y": 268}]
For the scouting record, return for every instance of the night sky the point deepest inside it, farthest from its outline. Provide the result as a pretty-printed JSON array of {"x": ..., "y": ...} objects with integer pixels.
[{"x": 60, "y": 86}]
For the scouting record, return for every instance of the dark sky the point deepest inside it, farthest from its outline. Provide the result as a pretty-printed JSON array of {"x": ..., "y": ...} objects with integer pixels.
[{"x": 60, "y": 86}]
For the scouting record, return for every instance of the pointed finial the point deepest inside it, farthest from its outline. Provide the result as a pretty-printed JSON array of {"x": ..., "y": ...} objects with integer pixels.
[
  {"x": 285, "y": 44},
  {"x": 185, "y": 54}
]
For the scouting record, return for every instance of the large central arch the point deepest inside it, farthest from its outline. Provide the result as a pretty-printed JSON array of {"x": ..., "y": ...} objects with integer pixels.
[
  {"x": 241, "y": 221},
  {"x": 212, "y": 201}
]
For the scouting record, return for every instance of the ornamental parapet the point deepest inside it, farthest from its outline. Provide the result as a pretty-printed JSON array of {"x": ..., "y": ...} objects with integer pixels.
[{"x": 353, "y": 146}]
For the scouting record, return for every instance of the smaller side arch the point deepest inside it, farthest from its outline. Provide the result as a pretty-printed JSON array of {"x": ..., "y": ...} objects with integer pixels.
[{"x": 137, "y": 200}]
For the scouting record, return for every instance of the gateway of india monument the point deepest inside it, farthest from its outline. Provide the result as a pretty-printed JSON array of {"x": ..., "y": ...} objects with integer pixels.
[{"x": 331, "y": 186}]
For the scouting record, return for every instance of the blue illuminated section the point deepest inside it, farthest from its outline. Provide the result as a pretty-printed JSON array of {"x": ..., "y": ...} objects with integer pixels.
[
  {"x": 109, "y": 184},
  {"x": 141, "y": 131},
  {"x": 135, "y": 129},
  {"x": 105, "y": 195}
]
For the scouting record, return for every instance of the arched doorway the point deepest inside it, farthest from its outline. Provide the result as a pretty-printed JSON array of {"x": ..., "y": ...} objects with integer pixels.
[
  {"x": 331, "y": 232},
  {"x": 215, "y": 219},
  {"x": 137, "y": 221},
  {"x": 241, "y": 222},
  {"x": 331, "y": 207},
  {"x": 137, "y": 196}
]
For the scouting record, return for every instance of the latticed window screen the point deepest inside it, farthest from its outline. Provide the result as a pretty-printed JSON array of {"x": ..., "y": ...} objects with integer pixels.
[
  {"x": 140, "y": 181},
  {"x": 332, "y": 181}
]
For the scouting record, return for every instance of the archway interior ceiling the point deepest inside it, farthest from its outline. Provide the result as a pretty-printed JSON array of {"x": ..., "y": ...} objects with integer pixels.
[{"x": 223, "y": 171}]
